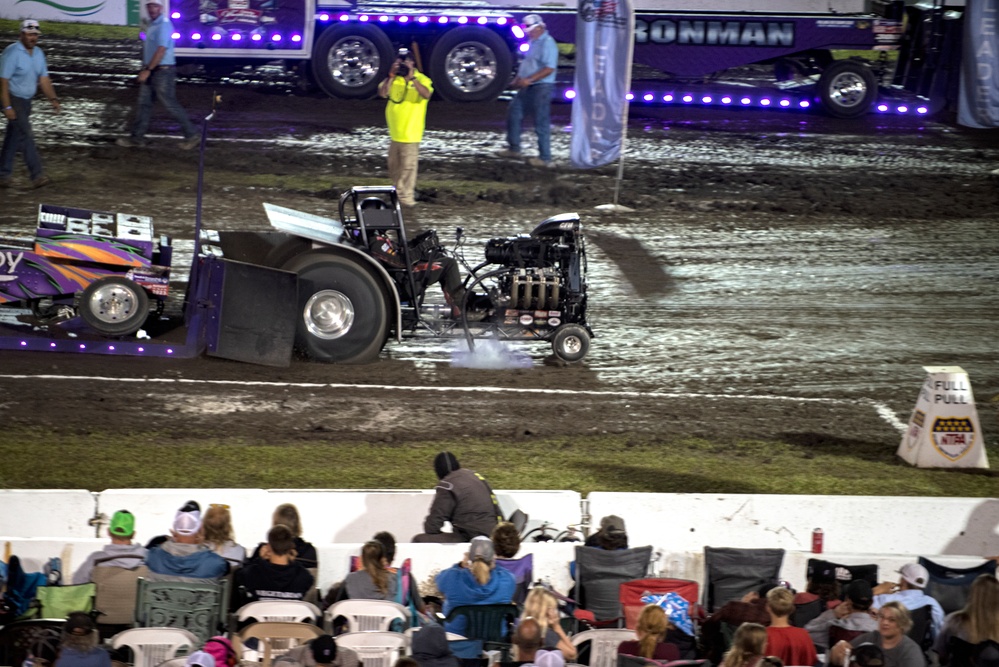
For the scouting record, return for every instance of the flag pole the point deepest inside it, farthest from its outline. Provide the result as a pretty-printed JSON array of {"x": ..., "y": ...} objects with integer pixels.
[{"x": 615, "y": 206}]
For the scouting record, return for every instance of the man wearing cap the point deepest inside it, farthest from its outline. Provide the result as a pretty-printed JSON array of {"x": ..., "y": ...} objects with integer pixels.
[
  {"x": 913, "y": 578},
  {"x": 462, "y": 497},
  {"x": 122, "y": 552},
  {"x": 408, "y": 91},
  {"x": 158, "y": 80},
  {"x": 23, "y": 70},
  {"x": 80, "y": 646},
  {"x": 852, "y": 614},
  {"x": 321, "y": 651},
  {"x": 183, "y": 556},
  {"x": 535, "y": 83}
]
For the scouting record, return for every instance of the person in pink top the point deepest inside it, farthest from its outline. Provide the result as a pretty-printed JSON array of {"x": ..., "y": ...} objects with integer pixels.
[{"x": 792, "y": 645}]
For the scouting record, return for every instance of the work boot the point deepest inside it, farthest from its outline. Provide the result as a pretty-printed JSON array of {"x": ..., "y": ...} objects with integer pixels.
[
  {"x": 127, "y": 142},
  {"x": 541, "y": 164},
  {"x": 41, "y": 181},
  {"x": 510, "y": 153},
  {"x": 190, "y": 142}
]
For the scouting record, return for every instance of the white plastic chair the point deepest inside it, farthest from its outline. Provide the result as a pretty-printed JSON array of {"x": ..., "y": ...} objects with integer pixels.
[
  {"x": 603, "y": 644},
  {"x": 274, "y": 638},
  {"x": 375, "y": 649},
  {"x": 152, "y": 646},
  {"x": 292, "y": 611},
  {"x": 367, "y": 615}
]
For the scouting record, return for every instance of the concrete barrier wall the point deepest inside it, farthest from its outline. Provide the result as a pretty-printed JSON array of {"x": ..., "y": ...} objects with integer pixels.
[
  {"x": 850, "y": 524},
  {"x": 47, "y": 513}
]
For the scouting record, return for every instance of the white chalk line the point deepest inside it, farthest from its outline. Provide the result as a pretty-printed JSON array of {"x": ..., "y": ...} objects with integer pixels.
[{"x": 882, "y": 410}]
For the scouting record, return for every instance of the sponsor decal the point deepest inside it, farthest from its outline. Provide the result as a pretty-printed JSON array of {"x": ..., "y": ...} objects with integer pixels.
[
  {"x": 601, "y": 12},
  {"x": 526, "y": 320},
  {"x": 715, "y": 33},
  {"x": 919, "y": 418},
  {"x": 953, "y": 436},
  {"x": 554, "y": 313},
  {"x": 554, "y": 321},
  {"x": 9, "y": 261},
  {"x": 834, "y": 23}
]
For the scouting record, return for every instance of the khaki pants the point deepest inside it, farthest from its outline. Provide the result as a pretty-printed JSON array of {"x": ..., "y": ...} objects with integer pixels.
[{"x": 403, "y": 161}]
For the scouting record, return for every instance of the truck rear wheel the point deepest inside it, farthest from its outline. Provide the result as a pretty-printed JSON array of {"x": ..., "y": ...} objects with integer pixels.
[
  {"x": 470, "y": 64},
  {"x": 847, "y": 89},
  {"x": 350, "y": 60},
  {"x": 114, "y": 306},
  {"x": 342, "y": 311}
]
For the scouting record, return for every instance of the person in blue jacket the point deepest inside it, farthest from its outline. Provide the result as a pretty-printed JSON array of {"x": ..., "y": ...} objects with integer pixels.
[
  {"x": 473, "y": 581},
  {"x": 184, "y": 556}
]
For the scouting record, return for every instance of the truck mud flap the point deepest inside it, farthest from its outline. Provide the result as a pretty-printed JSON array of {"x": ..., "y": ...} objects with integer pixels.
[{"x": 254, "y": 313}]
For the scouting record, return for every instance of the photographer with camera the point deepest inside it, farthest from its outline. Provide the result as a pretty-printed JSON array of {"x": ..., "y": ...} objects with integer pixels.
[{"x": 408, "y": 90}]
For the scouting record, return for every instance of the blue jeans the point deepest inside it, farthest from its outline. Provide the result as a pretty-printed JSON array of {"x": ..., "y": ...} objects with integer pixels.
[
  {"x": 161, "y": 85},
  {"x": 19, "y": 139},
  {"x": 535, "y": 101}
]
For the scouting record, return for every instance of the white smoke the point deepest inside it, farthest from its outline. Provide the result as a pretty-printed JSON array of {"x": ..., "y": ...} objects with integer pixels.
[{"x": 489, "y": 354}]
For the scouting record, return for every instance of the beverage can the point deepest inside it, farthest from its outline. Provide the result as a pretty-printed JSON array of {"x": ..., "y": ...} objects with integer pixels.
[{"x": 817, "y": 539}]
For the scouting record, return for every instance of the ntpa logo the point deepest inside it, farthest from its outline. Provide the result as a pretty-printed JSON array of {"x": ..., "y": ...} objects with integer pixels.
[
  {"x": 70, "y": 8},
  {"x": 953, "y": 436}
]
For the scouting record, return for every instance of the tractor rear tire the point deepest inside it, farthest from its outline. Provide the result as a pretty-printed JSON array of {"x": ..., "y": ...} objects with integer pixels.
[{"x": 342, "y": 310}]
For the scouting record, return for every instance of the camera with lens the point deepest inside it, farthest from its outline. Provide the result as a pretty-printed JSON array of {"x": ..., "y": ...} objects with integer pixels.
[{"x": 401, "y": 68}]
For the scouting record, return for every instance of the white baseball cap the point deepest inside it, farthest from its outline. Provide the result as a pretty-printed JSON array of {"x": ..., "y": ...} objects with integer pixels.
[
  {"x": 31, "y": 27},
  {"x": 915, "y": 574}
]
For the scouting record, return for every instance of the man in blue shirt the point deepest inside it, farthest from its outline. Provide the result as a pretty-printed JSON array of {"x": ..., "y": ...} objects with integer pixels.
[
  {"x": 158, "y": 80},
  {"x": 22, "y": 70},
  {"x": 534, "y": 83},
  {"x": 909, "y": 591}
]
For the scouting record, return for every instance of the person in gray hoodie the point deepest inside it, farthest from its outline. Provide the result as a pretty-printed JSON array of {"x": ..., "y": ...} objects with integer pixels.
[
  {"x": 183, "y": 556},
  {"x": 430, "y": 647},
  {"x": 121, "y": 552}
]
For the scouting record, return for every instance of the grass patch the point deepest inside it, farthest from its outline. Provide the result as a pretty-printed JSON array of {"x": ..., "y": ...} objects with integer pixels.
[
  {"x": 75, "y": 30},
  {"x": 155, "y": 459}
]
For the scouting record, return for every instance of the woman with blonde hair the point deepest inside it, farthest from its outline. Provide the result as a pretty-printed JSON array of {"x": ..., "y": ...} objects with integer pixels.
[
  {"x": 650, "y": 632},
  {"x": 542, "y": 606},
  {"x": 286, "y": 514},
  {"x": 474, "y": 581},
  {"x": 748, "y": 646},
  {"x": 218, "y": 533},
  {"x": 976, "y": 623}
]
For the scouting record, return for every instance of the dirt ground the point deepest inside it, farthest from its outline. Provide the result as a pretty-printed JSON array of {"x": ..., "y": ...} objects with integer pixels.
[{"x": 784, "y": 275}]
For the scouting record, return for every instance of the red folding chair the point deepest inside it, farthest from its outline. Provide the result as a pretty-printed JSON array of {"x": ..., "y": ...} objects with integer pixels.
[{"x": 633, "y": 591}]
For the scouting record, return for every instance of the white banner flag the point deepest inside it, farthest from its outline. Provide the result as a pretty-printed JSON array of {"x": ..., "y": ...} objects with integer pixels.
[{"x": 605, "y": 32}]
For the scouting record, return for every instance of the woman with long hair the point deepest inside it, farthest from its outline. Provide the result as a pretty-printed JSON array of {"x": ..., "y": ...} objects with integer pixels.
[
  {"x": 286, "y": 514},
  {"x": 976, "y": 623},
  {"x": 542, "y": 606},
  {"x": 217, "y": 524},
  {"x": 374, "y": 581},
  {"x": 650, "y": 633},
  {"x": 748, "y": 646},
  {"x": 474, "y": 581}
]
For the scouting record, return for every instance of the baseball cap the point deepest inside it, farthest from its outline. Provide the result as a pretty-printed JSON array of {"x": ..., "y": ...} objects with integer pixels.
[
  {"x": 545, "y": 658},
  {"x": 859, "y": 592},
  {"x": 532, "y": 20},
  {"x": 122, "y": 523},
  {"x": 31, "y": 27},
  {"x": 154, "y": 2},
  {"x": 200, "y": 659},
  {"x": 187, "y": 523},
  {"x": 79, "y": 624},
  {"x": 482, "y": 547},
  {"x": 612, "y": 524},
  {"x": 915, "y": 574},
  {"x": 323, "y": 649}
]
